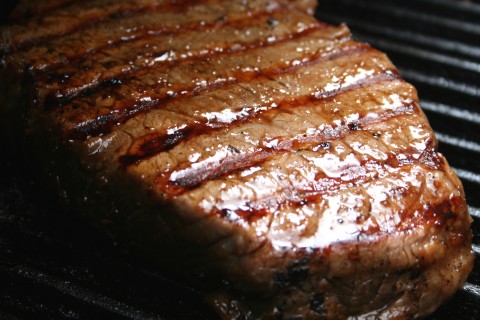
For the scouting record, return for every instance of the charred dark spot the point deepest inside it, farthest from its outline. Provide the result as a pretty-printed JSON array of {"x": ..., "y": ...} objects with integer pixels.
[
  {"x": 110, "y": 64},
  {"x": 354, "y": 126},
  {"x": 27, "y": 13},
  {"x": 233, "y": 149},
  {"x": 64, "y": 77},
  {"x": 132, "y": 68},
  {"x": 250, "y": 215},
  {"x": 87, "y": 92},
  {"x": 443, "y": 215},
  {"x": 281, "y": 279},
  {"x": 272, "y": 22},
  {"x": 117, "y": 15},
  {"x": 223, "y": 170},
  {"x": 316, "y": 303},
  {"x": 415, "y": 274},
  {"x": 278, "y": 313},
  {"x": 297, "y": 271},
  {"x": 152, "y": 144},
  {"x": 115, "y": 81},
  {"x": 163, "y": 143},
  {"x": 111, "y": 83},
  {"x": 59, "y": 77},
  {"x": 50, "y": 101},
  {"x": 325, "y": 145},
  {"x": 445, "y": 218},
  {"x": 246, "y": 315}
]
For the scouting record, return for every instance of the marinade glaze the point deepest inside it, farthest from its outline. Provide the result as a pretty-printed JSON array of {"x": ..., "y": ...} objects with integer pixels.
[{"x": 244, "y": 144}]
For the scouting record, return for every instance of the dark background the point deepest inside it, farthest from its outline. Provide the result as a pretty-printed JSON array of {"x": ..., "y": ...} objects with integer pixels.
[{"x": 53, "y": 265}]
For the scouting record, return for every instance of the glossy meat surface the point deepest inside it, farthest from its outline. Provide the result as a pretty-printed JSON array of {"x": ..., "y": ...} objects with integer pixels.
[{"x": 247, "y": 145}]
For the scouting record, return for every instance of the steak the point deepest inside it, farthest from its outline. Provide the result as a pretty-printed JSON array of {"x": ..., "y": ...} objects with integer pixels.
[{"x": 281, "y": 167}]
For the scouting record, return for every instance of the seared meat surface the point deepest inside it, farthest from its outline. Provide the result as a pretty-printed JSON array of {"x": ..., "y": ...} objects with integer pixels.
[{"x": 244, "y": 144}]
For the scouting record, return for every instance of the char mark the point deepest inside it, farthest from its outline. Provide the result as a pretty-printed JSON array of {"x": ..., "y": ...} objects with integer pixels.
[
  {"x": 294, "y": 197},
  {"x": 106, "y": 122},
  {"x": 68, "y": 88},
  {"x": 152, "y": 144},
  {"x": 31, "y": 9},
  {"x": 112, "y": 33},
  {"x": 445, "y": 214},
  {"x": 71, "y": 20},
  {"x": 183, "y": 180}
]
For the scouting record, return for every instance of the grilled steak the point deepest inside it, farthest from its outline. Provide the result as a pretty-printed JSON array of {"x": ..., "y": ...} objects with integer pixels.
[{"x": 245, "y": 144}]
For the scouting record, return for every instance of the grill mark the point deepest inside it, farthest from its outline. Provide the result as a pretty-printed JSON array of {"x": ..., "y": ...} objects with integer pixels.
[
  {"x": 29, "y": 38},
  {"x": 223, "y": 168},
  {"x": 442, "y": 215},
  {"x": 183, "y": 180},
  {"x": 82, "y": 66},
  {"x": 71, "y": 47},
  {"x": 64, "y": 92},
  {"x": 105, "y": 123},
  {"x": 291, "y": 196},
  {"x": 152, "y": 144},
  {"x": 296, "y": 198},
  {"x": 29, "y": 10}
]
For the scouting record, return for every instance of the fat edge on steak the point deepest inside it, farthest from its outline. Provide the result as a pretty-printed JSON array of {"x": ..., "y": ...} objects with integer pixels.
[{"x": 247, "y": 145}]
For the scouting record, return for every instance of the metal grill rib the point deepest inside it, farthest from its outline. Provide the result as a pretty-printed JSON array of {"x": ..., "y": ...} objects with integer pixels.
[
  {"x": 451, "y": 24},
  {"x": 406, "y": 36},
  {"x": 472, "y": 289},
  {"x": 476, "y": 249},
  {"x": 79, "y": 293},
  {"x": 441, "y": 82},
  {"x": 475, "y": 212},
  {"x": 467, "y": 175},
  {"x": 450, "y": 111},
  {"x": 416, "y": 53},
  {"x": 458, "y": 142}
]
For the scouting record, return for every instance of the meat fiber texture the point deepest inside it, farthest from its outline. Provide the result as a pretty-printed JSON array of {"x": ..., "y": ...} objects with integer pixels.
[{"x": 245, "y": 145}]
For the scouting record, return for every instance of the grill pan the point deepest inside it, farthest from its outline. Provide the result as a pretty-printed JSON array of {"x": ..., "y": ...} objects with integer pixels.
[{"x": 53, "y": 265}]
